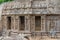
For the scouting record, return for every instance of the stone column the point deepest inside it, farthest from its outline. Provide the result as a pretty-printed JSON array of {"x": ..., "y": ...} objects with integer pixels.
[
  {"x": 4, "y": 25},
  {"x": 43, "y": 23},
  {"x": 27, "y": 23},
  {"x": 32, "y": 23},
  {"x": 12, "y": 22},
  {"x": 17, "y": 23}
]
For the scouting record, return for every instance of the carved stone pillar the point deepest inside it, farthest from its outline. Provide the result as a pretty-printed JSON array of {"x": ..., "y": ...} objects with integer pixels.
[
  {"x": 4, "y": 25},
  {"x": 27, "y": 23},
  {"x": 43, "y": 23},
  {"x": 17, "y": 23},
  {"x": 32, "y": 23},
  {"x": 4, "y": 22},
  {"x": 13, "y": 22}
]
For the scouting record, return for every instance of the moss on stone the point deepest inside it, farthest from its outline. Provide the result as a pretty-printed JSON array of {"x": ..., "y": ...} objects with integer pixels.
[{"x": 2, "y": 1}]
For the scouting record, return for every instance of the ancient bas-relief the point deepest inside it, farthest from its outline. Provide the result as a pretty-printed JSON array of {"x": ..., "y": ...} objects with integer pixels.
[{"x": 39, "y": 19}]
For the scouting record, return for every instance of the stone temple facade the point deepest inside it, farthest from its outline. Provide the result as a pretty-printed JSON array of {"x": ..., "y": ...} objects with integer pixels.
[{"x": 35, "y": 17}]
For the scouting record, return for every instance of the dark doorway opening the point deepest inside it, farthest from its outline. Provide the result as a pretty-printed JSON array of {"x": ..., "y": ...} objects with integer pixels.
[
  {"x": 22, "y": 23},
  {"x": 37, "y": 23},
  {"x": 9, "y": 22}
]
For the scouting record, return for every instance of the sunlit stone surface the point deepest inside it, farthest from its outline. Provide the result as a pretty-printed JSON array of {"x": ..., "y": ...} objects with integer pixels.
[
  {"x": 17, "y": 37},
  {"x": 30, "y": 20}
]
